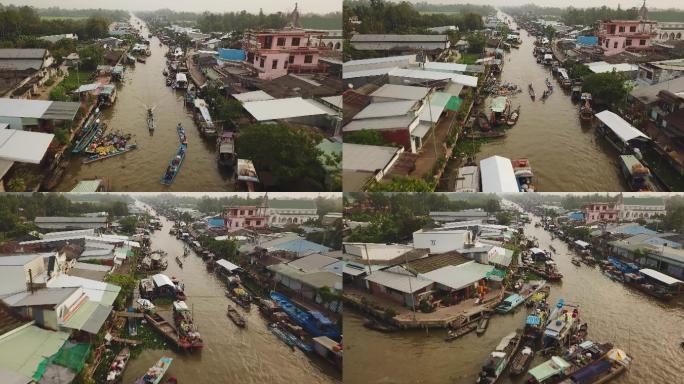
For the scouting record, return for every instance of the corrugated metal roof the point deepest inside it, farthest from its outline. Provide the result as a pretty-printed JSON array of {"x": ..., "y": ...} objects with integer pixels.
[
  {"x": 61, "y": 110},
  {"x": 445, "y": 67},
  {"x": 437, "y": 103},
  {"x": 393, "y": 122},
  {"x": 26, "y": 348},
  {"x": 398, "y": 38},
  {"x": 24, "y": 146},
  {"x": 48, "y": 296},
  {"x": 313, "y": 262},
  {"x": 23, "y": 108},
  {"x": 266, "y": 110},
  {"x": 391, "y": 108},
  {"x": 67, "y": 219},
  {"x": 227, "y": 265},
  {"x": 87, "y": 186},
  {"x": 22, "y": 53},
  {"x": 404, "y": 92},
  {"x": 404, "y": 283},
  {"x": 459, "y": 276},
  {"x": 252, "y": 96},
  {"x": 359, "y": 157},
  {"x": 89, "y": 317},
  {"x": 301, "y": 247},
  {"x": 97, "y": 291}
]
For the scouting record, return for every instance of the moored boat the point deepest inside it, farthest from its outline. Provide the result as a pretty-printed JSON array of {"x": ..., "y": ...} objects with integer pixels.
[
  {"x": 498, "y": 360},
  {"x": 530, "y": 89},
  {"x": 236, "y": 317},
  {"x": 150, "y": 120},
  {"x": 457, "y": 333},
  {"x": 155, "y": 374},
  {"x": 483, "y": 122},
  {"x": 225, "y": 144},
  {"x": 522, "y": 359},
  {"x": 241, "y": 297},
  {"x": 174, "y": 166},
  {"x": 523, "y": 174},
  {"x": 509, "y": 303},
  {"x": 189, "y": 337},
  {"x": 483, "y": 323},
  {"x": 586, "y": 112},
  {"x": 314, "y": 322},
  {"x": 513, "y": 117},
  {"x": 118, "y": 366}
]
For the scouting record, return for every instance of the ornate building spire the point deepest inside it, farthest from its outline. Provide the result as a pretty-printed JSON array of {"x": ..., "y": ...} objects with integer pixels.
[
  {"x": 294, "y": 18},
  {"x": 643, "y": 12}
]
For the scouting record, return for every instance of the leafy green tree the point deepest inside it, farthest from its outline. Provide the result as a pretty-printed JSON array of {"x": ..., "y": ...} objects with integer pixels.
[
  {"x": 128, "y": 224},
  {"x": 492, "y": 206},
  {"x": 404, "y": 184},
  {"x": 367, "y": 137},
  {"x": 58, "y": 93},
  {"x": 288, "y": 153},
  {"x": 607, "y": 88},
  {"x": 476, "y": 43}
]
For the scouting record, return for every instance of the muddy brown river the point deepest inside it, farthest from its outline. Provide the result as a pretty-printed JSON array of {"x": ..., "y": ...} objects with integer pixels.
[
  {"x": 230, "y": 355},
  {"x": 564, "y": 154},
  {"x": 648, "y": 330},
  {"x": 142, "y": 168}
]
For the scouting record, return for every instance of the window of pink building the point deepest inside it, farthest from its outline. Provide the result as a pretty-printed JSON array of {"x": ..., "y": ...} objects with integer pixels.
[
  {"x": 274, "y": 65},
  {"x": 281, "y": 42},
  {"x": 295, "y": 41},
  {"x": 308, "y": 59}
]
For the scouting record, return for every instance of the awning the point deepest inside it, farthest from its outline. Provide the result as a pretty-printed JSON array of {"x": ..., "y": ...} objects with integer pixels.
[
  {"x": 420, "y": 130},
  {"x": 227, "y": 265},
  {"x": 498, "y": 104},
  {"x": 624, "y": 130},
  {"x": 663, "y": 278},
  {"x": 454, "y": 103},
  {"x": 581, "y": 243}
]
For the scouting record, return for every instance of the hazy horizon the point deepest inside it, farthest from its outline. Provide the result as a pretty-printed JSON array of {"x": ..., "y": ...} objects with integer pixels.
[
  {"x": 197, "y": 6},
  {"x": 624, "y": 4}
]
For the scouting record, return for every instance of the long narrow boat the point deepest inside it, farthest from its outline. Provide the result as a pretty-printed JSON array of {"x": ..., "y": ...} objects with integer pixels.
[
  {"x": 453, "y": 335},
  {"x": 174, "y": 166},
  {"x": 531, "y": 91},
  {"x": 89, "y": 135},
  {"x": 498, "y": 360},
  {"x": 118, "y": 366},
  {"x": 485, "y": 135},
  {"x": 94, "y": 158},
  {"x": 182, "y": 138},
  {"x": 236, "y": 317},
  {"x": 240, "y": 297},
  {"x": 168, "y": 330},
  {"x": 483, "y": 323},
  {"x": 155, "y": 374},
  {"x": 315, "y": 323},
  {"x": 521, "y": 361},
  {"x": 151, "y": 124},
  {"x": 291, "y": 340}
]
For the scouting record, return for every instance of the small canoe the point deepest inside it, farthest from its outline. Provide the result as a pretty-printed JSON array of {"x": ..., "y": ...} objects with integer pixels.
[
  {"x": 483, "y": 323},
  {"x": 453, "y": 335},
  {"x": 179, "y": 261},
  {"x": 155, "y": 374},
  {"x": 521, "y": 361},
  {"x": 118, "y": 366},
  {"x": 485, "y": 135},
  {"x": 236, "y": 317}
]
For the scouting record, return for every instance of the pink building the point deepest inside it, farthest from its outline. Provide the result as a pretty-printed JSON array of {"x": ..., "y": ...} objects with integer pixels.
[
  {"x": 276, "y": 52},
  {"x": 246, "y": 216},
  {"x": 616, "y": 36},
  {"x": 600, "y": 212}
]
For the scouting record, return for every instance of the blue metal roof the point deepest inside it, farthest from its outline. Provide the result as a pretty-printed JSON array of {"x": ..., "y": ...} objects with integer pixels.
[
  {"x": 216, "y": 222},
  {"x": 587, "y": 40},
  {"x": 232, "y": 54}
]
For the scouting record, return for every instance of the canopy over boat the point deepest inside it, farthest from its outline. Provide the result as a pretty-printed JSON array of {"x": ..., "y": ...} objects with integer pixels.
[
  {"x": 624, "y": 130},
  {"x": 499, "y": 104},
  {"x": 549, "y": 368},
  {"x": 581, "y": 243},
  {"x": 498, "y": 175}
]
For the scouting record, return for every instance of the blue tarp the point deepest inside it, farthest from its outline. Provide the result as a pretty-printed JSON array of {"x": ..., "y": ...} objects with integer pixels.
[
  {"x": 216, "y": 222},
  {"x": 320, "y": 317},
  {"x": 587, "y": 41},
  {"x": 533, "y": 320},
  {"x": 232, "y": 54},
  {"x": 302, "y": 247},
  {"x": 591, "y": 372}
]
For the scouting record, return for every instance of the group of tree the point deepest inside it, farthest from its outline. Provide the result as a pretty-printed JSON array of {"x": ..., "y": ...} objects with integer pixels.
[
  {"x": 610, "y": 88},
  {"x": 380, "y": 16},
  {"x": 18, "y": 211},
  {"x": 243, "y": 20},
  {"x": 421, "y": 204},
  {"x": 19, "y": 26},
  {"x": 223, "y": 249},
  {"x": 330, "y": 236},
  {"x": 589, "y": 16},
  {"x": 288, "y": 154}
]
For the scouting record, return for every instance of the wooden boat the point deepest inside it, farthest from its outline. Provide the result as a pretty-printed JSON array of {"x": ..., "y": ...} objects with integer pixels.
[
  {"x": 586, "y": 113},
  {"x": 236, "y": 317},
  {"x": 483, "y": 122},
  {"x": 485, "y": 135},
  {"x": 530, "y": 89},
  {"x": 182, "y": 138},
  {"x": 168, "y": 330},
  {"x": 118, "y": 366},
  {"x": 155, "y": 374},
  {"x": 575, "y": 261},
  {"x": 521, "y": 361},
  {"x": 379, "y": 326},
  {"x": 140, "y": 60},
  {"x": 513, "y": 117},
  {"x": 240, "y": 297},
  {"x": 150, "y": 120},
  {"x": 498, "y": 360},
  {"x": 483, "y": 323},
  {"x": 117, "y": 152},
  {"x": 174, "y": 166},
  {"x": 509, "y": 303},
  {"x": 179, "y": 261},
  {"x": 455, "y": 334},
  {"x": 226, "y": 150}
]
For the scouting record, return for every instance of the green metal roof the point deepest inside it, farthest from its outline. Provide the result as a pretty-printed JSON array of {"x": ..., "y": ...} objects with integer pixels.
[
  {"x": 454, "y": 103},
  {"x": 23, "y": 350},
  {"x": 292, "y": 204},
  {"x": 88, "y": 317}
]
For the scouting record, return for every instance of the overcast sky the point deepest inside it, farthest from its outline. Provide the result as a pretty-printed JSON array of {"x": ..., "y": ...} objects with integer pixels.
[
  {"x": 565, "y": 3},
  {"x": 269, "y": 6}
]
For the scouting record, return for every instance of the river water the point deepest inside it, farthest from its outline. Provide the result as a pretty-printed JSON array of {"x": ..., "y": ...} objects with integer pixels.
[
  {"x": 648, "y": 330},
  {"x": 230, "y": 354},
  {"x": 565, "y": 156},
  {"x": 142, "y": 168}
]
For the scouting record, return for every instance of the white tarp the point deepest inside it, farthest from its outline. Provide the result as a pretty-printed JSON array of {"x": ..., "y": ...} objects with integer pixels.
[
  {"x": 24, "y": 146},
  {"x": 669, "y": 280},
  {"x": 266, "y": 110},
  {"x": 624, "y": 130},
  {"x": 252, "y": 96},
  {"x": 497, "y": 175},
  {"x": 227, "y": 265}
]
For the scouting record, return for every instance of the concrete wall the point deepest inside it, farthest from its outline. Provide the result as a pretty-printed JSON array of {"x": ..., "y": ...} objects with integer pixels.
[{"x": 440, "y": 242}]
